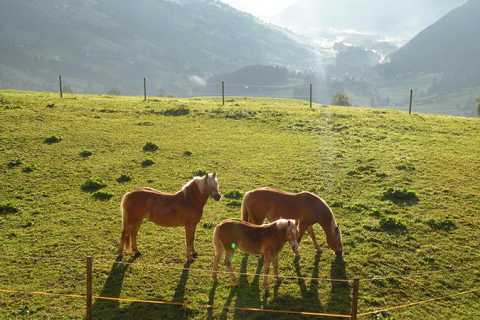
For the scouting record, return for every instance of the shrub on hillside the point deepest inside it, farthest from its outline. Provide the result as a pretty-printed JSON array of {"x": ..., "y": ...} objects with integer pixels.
[
  {"x": 392, "y": 224},
  {"x": 28, "y": 169},
  {"x": 8, "y": 207},
  {"x": 401, "y": 196},
  {"x": 147, "y": 163},
  {"x": 124, "y": 179},
  {"x": 150, "y": 147},
  {"x": 341, "y": 99},
  {"x": 102, "y": 195},
  {"x": 445, "y": 224},
  {"x": 85, "y": 153},
  {"x": 176, "y": 111},
  {"x": 235, "y": 195},
  {"x": 52, "y": 140},
  {"x": 93, "y": 184},
  {"x": 406, "y": 167},
  {"x": 14, "y": 163}
]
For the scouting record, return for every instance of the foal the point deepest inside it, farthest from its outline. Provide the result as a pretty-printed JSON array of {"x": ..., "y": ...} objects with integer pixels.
[
  {"x": 184, "y": 208},
  {"x": 266, "y": 240}
]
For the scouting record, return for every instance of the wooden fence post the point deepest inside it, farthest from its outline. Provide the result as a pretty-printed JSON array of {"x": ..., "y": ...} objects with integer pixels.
[
  {"x": 144, "y": 89},
  {"x": 60, "y": 85},
  {"x": 89, "y": 288},
  {"x": 411, "y": 101},
  {"x": 223, "y": 93},
  {"x": 311, "y": 92},
  {"x": 356, "y": 286}
]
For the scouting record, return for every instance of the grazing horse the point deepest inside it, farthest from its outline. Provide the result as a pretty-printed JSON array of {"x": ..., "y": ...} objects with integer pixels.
[
  {"x": 266, "y": 240},
  {"x": 304, "y": 207},
  {"x": 183, "y": 208}
]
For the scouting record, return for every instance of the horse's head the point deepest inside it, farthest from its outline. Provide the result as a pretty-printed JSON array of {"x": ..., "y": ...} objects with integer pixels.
[
  {"x": 212, "y": 189},
  {"x": 291, "y": 230},
  {"x": 334, "y": 240}
]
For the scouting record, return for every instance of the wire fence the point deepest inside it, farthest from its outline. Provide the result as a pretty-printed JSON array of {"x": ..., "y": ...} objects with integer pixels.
[{"x": 353, "y": 284}]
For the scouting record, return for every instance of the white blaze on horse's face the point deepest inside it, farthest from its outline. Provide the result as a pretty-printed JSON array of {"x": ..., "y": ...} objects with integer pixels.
[
  {"x": 212, "y": 186},
  {"x": 292, "y": 233}
]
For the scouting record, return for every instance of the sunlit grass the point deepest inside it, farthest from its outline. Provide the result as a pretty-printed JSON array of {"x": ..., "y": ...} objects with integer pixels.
[{"x": 351, "y": 157}]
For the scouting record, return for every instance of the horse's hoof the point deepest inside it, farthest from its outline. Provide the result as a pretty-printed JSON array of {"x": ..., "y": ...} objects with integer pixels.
[
  {"x": 137, "y": 254},
  {"x": 195, "y": 255}
]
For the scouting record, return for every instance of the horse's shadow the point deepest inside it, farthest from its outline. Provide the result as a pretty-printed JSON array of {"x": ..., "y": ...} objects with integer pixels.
[
  {"x": 341, "y": 292},
  {"x": 110, "y": 309},
  {"x": 309, "y": 299},
  {"x": 247, "y": 294}
]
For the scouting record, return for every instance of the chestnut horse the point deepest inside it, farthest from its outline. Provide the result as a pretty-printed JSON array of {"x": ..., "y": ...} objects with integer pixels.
[
  {"x": 183, "y": 208},
  {"x": 304, "y": 207},
  {"x": 266, "y": 240}
]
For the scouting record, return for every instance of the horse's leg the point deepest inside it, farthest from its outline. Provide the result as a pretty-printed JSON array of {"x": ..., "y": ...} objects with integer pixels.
[
  {"x": 133, "y": 238},
  {"x": 301, "y": 231},
  {"x": 311, "y": 232},
  {"x": 121, "y": 246},
  {"x": 216, "y": 261},
  {"x": 275, "y": 267},
  {"x": 189, "y": 239},
  {"x": 228, "y": 263},
  {"x": 219, "y": 252},
  {"x": 267, "y": 258}
]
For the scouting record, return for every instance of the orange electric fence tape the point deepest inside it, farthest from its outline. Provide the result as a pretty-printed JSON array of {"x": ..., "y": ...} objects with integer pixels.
[
  {"x": 411, "y": 304},
  {"x": 417, "y": 275},
  {"x": 304, "y": 313},
  {"x": 42, "y": 293},
  {"x": 162, "y": 266}
]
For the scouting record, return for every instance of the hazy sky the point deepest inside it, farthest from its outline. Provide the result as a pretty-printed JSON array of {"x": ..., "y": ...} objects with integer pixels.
[{"x": 261, "y": 8}]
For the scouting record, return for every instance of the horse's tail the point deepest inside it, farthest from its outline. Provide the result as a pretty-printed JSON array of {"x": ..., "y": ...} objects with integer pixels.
[
  {"x": 125, "y": 237},
  {"x": 219, "y": 251},
  {"x": 244, "y": 209}
]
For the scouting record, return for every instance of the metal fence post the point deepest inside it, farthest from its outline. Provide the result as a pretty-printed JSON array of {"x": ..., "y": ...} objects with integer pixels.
[
  {"x": 223, "y": 93},
  {"x": 144, "y": 89},
  {"x": 411, "y": 101},
  {"x": 60, "y": 85}
]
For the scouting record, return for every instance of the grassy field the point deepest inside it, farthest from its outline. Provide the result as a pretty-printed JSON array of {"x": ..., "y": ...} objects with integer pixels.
[{"x": 405, "y": 190}]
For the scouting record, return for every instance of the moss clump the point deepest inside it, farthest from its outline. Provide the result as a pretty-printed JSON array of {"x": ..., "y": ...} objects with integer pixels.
[
  {"x": 52, "y": 140},
  {"x": 93, "y": 184},
  {"x": 150, "y": 147},
  {"x": 102, "y": 195}
]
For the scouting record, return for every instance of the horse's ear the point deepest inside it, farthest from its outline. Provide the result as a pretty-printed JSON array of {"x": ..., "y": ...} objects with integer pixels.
[{"x": 214, "y": 175}]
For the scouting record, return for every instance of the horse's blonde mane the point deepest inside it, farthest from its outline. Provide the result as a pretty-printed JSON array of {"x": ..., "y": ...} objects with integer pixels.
[
  {"x": 283, "y": 223},
  {"x": 189, "y": 182}
]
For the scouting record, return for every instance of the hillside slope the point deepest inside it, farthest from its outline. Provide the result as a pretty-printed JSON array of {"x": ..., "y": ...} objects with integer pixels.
[
  {"x": 104, "y": 44},
  {"x": 387, "y": 18},
  {"x": 449, "y": 48},
  {"x": 404, "y": 190}
]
